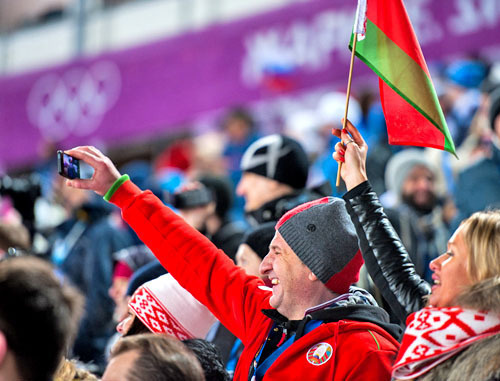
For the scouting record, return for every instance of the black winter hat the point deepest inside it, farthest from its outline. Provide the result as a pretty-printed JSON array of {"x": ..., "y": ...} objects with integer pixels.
[
  {"x": 259, "y": 238},
  {"x": 277, "y": 157},
  {"x": 220, "y": 187}
]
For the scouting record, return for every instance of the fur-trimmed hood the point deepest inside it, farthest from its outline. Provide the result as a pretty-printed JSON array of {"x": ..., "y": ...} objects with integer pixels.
[
  {"x": 480, "y": 361},
  {"x": 484, "y": 295}
]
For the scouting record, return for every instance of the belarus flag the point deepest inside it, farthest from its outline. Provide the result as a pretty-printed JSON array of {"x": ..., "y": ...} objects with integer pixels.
[{"x": 388, "y": 45}]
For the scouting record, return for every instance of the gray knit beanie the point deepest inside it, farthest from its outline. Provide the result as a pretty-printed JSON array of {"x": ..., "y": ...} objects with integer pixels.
[
  {"x": 321, "y": 234},
  {"x": 277, "y": 157},
  {"x": 400, "y": 165}
]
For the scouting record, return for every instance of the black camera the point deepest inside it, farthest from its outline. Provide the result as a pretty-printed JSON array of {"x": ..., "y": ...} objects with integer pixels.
[
  {"x": 23, "y": 191},
  {"x": 192, "y": 198},
  {"x": 28, "y": 186}
]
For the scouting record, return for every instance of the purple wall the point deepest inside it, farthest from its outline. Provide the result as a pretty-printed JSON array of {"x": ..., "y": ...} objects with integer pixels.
[{"x": 121, "y": 96}]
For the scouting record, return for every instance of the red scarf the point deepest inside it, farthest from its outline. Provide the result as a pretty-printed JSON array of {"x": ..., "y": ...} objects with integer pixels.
[{"x": 433, "y": 335}]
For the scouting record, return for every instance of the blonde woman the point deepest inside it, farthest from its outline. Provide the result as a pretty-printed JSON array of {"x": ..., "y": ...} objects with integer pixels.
[
  {"x": 69, "y": 371},
  {"x": 453, "y": 325}
]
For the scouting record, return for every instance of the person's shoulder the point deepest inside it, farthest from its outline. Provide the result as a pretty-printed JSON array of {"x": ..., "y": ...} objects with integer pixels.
[
  {"x": 367, "y": 336},
  {"x": 479, "y": 168}
]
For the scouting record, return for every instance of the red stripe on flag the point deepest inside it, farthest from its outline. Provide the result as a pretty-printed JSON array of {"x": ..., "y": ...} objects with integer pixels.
[
  {"x": 391, "y": 18},
  {"x": 405, "y": 125}
]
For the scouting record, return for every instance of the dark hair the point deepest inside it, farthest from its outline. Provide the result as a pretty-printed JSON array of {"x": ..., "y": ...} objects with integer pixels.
[
  {"x": 38, "y": 316},
  {"x": 160, "y": 358},
  {"x": 210, "y": 359},
  {"x": 207, "y": 353},
  {"x": 137, "y": 327},
  {"x": 239, "y": 113}
]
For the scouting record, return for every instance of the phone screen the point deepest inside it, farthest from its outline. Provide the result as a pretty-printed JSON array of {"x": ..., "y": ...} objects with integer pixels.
[{"x": 68, "y": 166}]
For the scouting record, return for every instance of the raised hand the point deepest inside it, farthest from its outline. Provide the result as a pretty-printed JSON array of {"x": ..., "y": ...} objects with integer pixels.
[
  {"x": 351, "y": 151},
  {"x": 105, "y": 172}
]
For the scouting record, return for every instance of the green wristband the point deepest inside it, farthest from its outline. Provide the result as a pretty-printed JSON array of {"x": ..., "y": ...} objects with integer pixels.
[{"x": 117, "y": 184}]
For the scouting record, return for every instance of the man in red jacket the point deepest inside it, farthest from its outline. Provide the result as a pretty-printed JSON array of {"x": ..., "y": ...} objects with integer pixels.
[{"x": 313, "y": 324}]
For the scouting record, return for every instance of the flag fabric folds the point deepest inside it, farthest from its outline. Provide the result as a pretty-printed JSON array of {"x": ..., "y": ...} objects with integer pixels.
[{"x": 388, "y": 45}]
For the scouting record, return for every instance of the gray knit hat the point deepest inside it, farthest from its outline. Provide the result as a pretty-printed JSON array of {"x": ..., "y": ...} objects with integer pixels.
[
  {"x": 277, "y": 157},
  {"x": 321, "y": 234},
  {"x": 400, "y": 165}
]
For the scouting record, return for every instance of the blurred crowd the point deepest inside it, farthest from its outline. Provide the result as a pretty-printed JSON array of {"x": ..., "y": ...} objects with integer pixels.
[{"x": 232, "y": 185}]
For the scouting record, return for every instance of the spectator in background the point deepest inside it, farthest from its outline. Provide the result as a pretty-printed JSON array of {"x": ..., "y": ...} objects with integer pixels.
[
  {"x": 240, "y": 131},
  {"x": 22, "y": 193},
  {"x": 162, "y": 306},
  {"x": 224, "y": 232},
  {"x": 81, "y": 249},
  {"x": 464, "y": 108},
  {"x": 478, "y": 186},
  {"x": 12, "y": 232},
  {"x": 275, "y": 170},
  {"x": 126, "y": 282},
  {"x": 38, "y": 319},
  {"x": 173, "y": 164},
  {"x": 205, "y": 204},
  {"x": 121, "y": 296},
  {"x": 152, "y": 357},
  {"x": 254, "y": 247},
  {"x": 462, "y": 96},
  {"x": 477, "y": 144},
  {"x": 417, "y": 212},
  {"x": 127, "y": 261}
]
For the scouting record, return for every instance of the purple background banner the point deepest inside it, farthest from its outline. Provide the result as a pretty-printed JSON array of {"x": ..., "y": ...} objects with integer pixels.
[{"x": 137, "y": 93}]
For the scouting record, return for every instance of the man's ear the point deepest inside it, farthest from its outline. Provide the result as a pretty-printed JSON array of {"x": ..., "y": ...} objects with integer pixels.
[
  {"x": 3, "y": 347},
  {"x": 312, "y": 277}
]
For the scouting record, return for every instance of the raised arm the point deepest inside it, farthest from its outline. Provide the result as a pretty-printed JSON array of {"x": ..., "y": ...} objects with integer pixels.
[
  {"x": 199, "y": 267},
  {"x": 386, "y": 259}
]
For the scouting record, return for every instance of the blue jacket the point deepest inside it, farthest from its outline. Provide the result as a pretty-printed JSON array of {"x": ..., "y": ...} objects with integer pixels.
[
  {"x": 88, "y": 264},
  {"x": 478, "y": 186}
]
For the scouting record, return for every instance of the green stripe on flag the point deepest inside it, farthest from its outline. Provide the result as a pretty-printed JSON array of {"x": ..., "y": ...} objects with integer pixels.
[{"x": 403, "y": 75}]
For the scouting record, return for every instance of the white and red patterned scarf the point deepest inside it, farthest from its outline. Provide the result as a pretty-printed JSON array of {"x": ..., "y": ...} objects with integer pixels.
[{"x": 433, "y": 335}]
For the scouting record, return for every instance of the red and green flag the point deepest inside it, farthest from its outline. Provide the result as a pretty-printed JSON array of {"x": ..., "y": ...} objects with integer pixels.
[{"x": 387, "y": 43}]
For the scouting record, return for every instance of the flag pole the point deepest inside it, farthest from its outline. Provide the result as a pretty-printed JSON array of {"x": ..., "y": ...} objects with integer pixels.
[{"x": 347, "y": 99}]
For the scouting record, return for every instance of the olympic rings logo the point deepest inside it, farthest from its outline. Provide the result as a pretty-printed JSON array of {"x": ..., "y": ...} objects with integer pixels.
[{"x": 75, "y": 101}]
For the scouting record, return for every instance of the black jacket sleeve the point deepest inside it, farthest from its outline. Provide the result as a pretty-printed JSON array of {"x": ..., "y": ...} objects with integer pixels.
[{"x": 385, "y": 257}]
